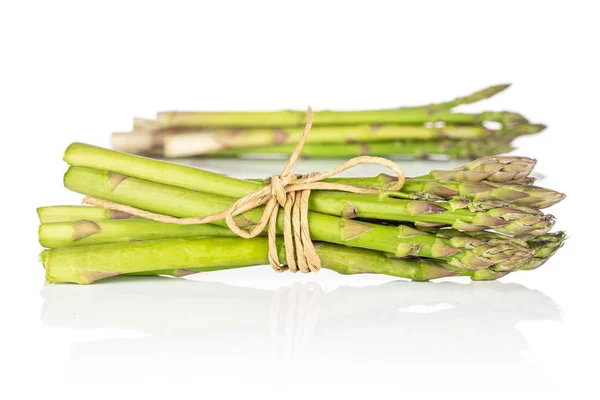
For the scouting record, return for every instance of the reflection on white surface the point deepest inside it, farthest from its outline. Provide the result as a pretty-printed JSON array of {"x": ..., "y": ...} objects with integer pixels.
[{"x": 165, "y": 318}]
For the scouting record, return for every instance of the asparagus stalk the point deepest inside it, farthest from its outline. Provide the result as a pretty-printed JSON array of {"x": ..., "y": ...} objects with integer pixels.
[
  {"x": 178, "y": 143},
  {"x": 400, "y": 241},
  {"x": 293, "y": 118},
  {"x": 288, "y": 119},
  {"x": 439, "y": 189},
  {"x": 403, "y": 115},
  {"x": 85, "y": 232},
  {"x": 88, "y": 264},
  {"x": 503, "y": 219},
  {"x": 74, "y": 213},
  {"x": 421, "y": 149},
  {"x": 84, "y": 265},
  {"x": 458, "y": 213},
  {"x": 189, "y": 144},
  {"x": 183, "y": 176},
  {"x": 544, "y": 246}
]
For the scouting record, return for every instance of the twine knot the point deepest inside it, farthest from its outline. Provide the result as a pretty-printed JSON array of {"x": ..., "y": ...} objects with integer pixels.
[
  {"x": 286, "y": 190},
  {"x": 278, "y": 188}
]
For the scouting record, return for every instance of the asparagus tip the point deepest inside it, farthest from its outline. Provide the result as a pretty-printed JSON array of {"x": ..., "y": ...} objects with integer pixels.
[
  {"x": 482, "y": 94},
  {"x": 523, "y": 129},
  {"x": 495, "y": 89},
  {"x": 539, "y": 127}
]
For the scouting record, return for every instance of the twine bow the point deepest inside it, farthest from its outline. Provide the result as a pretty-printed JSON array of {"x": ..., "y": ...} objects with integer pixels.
[{"x": 286, "y": 190}]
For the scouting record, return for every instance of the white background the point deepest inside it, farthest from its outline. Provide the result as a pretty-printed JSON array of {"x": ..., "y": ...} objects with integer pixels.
[{"x": 75, "y": 71}]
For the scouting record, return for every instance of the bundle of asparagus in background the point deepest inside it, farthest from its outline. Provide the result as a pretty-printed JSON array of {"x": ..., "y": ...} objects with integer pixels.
[
  {"x": 419, "y": 131},
  {"x": 481, "y": 220}
]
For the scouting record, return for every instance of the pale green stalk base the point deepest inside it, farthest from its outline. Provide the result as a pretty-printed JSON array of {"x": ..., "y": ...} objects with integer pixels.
[{"x": 438, "y": 189}]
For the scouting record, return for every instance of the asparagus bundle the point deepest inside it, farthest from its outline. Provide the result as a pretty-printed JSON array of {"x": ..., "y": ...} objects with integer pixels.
[
  {"x": 405, "y": 233},
  {"x": 419, "y": 131},
  {"x": 137, "y": 178}
]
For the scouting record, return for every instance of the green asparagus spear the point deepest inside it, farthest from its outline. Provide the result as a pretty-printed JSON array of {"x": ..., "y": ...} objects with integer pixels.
[
  {"x": 86, "y": 232},
  {"x": 439, "y": 189},
  {"x": 297, "y": 118},
  {"x": 421, "y": 149},
  {"x": 73, "y": 213},
  {"x": 285, "y": 119},
  {"x": 88, "y": 264}
]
